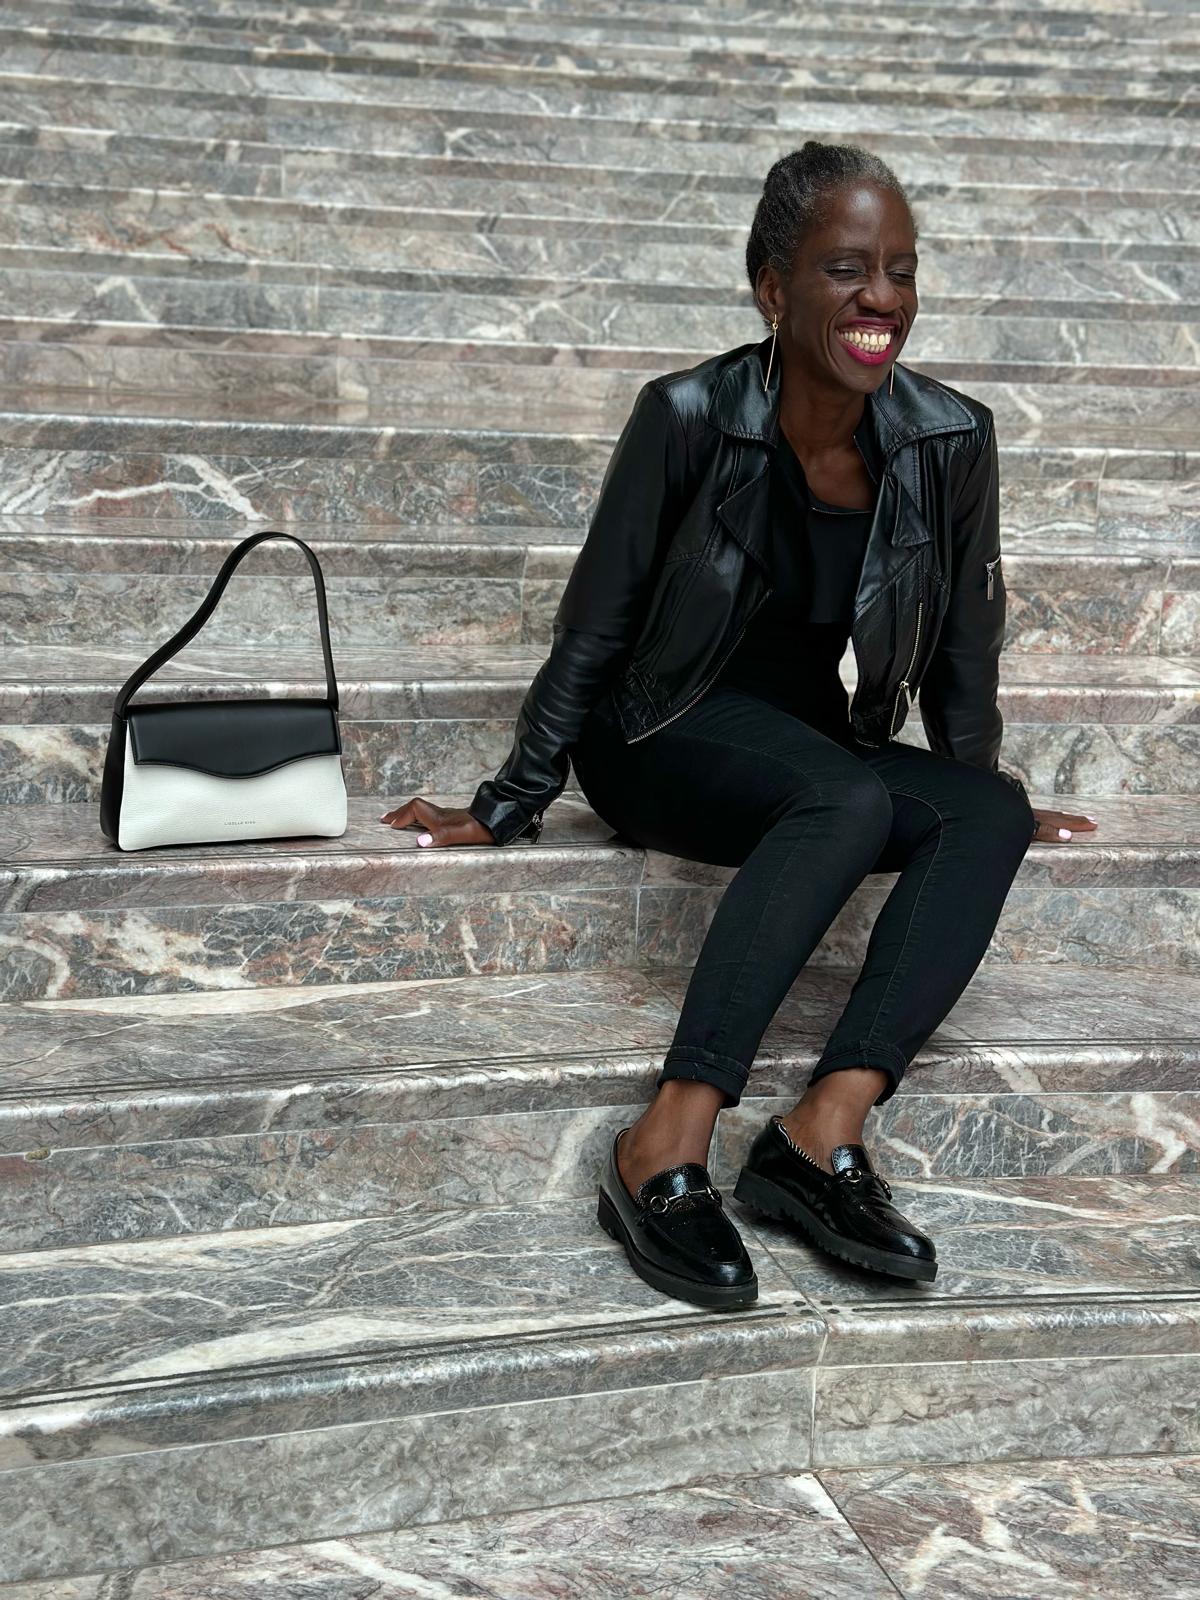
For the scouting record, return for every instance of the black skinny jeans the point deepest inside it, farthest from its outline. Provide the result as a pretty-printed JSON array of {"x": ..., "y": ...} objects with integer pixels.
[{"x": 736, "y": 781}]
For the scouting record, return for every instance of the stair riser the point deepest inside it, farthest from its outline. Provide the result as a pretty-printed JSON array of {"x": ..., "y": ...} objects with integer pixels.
[
  {"x": 626, "y": 49},
  {"x": 1036, "y": 223},
  {"x": 118, "y": 361},
  {"x": 268, "y": 482},
  {"x": 80, "y": 953},
  {"x": 62, "y": 229},
  {"x": 1057, "y": 607},
  {"x": 1096, "y": 25},
  {"x": 386, "y": 164},
  {"x": 125, "y": 1511},
  {"x": 189, "y": 65},
  {"x": 164, "y": 1181},
  {"x": 129, "y": 1509},
  {"x": 1165, "y": 345},
  {"x": 394, "y": 757}
]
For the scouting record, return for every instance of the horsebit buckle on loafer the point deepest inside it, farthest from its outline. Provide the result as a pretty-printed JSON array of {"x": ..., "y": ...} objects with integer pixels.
[
  {"x": 855, "y": 1175},
  {"x": 661, "y": 1202}
]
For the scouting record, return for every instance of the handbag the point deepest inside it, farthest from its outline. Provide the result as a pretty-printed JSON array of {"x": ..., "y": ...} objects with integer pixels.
[{"x": 203, "y": 771}]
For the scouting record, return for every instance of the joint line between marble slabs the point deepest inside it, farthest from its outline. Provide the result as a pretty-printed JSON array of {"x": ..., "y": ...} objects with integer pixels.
[
  {"x": 818, "y": 1366},
  {"x": 841, "y": 1511}
]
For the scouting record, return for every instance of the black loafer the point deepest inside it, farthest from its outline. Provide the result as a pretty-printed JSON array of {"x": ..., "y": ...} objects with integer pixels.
[
  {"x": 847, "y": 1212},
  {"x": 677, "y": 1235}
]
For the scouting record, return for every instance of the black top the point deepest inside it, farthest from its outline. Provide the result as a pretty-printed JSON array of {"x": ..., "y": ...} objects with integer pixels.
[{"x": 789, "y": 654}]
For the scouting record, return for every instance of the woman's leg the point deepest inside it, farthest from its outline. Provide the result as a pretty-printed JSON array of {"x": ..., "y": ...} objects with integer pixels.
[
  {"x": 958, "y": 838},
  {"x": 736, "y": 781}
]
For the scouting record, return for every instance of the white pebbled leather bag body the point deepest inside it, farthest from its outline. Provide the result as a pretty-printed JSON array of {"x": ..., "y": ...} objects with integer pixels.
[{"x": 207, "y": 771}]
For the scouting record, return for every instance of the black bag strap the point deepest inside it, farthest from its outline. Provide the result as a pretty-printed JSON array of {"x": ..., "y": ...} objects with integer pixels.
[{"x": 209, "y": 604}]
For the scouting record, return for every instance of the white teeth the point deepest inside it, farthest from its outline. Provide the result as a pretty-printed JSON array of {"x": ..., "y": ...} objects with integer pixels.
[{"x": 866, "y": 341}]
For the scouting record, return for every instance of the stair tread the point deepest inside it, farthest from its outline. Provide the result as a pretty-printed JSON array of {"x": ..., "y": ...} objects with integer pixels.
[
  {"x": 127, "y": 1319},
  {"x": 1018, "y": 1028},
  {"x": 67, "y": 835}
]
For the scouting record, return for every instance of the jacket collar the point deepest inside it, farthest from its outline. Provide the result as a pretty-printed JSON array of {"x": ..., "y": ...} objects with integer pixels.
[{"x": 739, "y": 405}]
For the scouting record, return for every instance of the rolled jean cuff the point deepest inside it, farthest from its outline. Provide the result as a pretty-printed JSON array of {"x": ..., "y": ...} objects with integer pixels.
[
  {"x": 884, "y": 1057},
  {"x": 693, "y": 1062}
]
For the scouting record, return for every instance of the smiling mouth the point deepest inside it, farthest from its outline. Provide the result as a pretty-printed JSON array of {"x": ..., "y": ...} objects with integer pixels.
[{"x": 869, "y": 347}]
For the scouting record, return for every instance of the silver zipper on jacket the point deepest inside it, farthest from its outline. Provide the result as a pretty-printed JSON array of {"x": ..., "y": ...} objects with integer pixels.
[
  {"x": 903, "y": 688},
  {"x": 991, "y": 574},
  {"x": 675, "y": 715}
]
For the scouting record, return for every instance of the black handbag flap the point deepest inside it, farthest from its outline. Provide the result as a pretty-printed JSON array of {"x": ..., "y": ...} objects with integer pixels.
[{"x": 233, "y": 738}]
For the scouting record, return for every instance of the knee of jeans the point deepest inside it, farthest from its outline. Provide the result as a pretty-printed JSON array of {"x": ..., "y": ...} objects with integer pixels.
[
  {"x": 1008, "y": 813},
  {"x": 864, "y": 806}
]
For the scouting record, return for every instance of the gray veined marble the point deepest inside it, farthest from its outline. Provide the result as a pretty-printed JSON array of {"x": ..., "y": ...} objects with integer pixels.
[
  {"x": 765, "y": 1538},
  {"x": 128, "y": 1510},
  {"x": 1013, "y": 1532},
  {"x": 82, "y": 918},
  {"x": 1094, "y": 1531},
  {"x": 299, "y": 1143}
]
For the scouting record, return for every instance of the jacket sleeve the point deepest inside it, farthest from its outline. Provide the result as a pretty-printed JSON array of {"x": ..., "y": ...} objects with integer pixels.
[
  {"x": 598, "y": 617},
  {"x": 958, "y": 697}
]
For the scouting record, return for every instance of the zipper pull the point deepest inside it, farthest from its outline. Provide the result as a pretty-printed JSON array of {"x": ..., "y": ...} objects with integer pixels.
[{"x": 991, "y": 576}]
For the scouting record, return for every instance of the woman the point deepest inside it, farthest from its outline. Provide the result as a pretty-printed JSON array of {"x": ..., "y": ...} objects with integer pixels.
[{"x": 760, "y": 510}]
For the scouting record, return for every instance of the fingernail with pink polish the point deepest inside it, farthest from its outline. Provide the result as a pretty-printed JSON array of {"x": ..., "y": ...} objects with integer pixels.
[
  {"x": 424, "y": 838},
  {"x": 1064, "y": 833}
]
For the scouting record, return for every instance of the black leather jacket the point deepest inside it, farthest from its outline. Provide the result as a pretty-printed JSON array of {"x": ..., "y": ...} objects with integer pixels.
[{"x": 676, "y": 561}]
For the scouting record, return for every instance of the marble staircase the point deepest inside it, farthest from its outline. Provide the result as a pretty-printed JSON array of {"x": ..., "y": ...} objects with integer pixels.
[{"x": 298, "y": 1141}]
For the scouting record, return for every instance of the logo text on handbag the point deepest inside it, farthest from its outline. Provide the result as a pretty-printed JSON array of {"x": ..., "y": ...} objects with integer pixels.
[{"x": 242, "y": 822}]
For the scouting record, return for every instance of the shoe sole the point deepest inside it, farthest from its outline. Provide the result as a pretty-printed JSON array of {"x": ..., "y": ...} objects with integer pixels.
[
  {"x": 774, "y": 1202},
  {"x": 731, "y": 1297}
]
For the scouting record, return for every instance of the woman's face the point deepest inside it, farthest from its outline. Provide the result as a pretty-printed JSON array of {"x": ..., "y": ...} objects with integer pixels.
[{"x": 847, "y": 308}]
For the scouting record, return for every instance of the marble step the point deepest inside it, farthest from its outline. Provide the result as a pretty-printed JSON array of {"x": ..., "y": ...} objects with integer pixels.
[
  {"x": 1155, "y": 346},
  {"x": 173, "y": 231},
  {"x": 438, "y": 719},
  {"x": 90, "y": 588},
  {"x": 521, "y": 266},
  {"x": 506, "y": 141},
  {"x": 81, "y": 918},
  {"x": 76, "y": 44},
  {"x": 733, "y": 46},
  {"x": 1070, "y": 22},
  {"x": 87, "y": 454},
  {"x": 154, "y": 1380},
  {"x": 876, "y": 101},
  {"x": 54, "y": 361},
  {"x": 937, "y": 1531},
  {"x": 202, "y": 1112},
  {"x": 599, "y": 180}
]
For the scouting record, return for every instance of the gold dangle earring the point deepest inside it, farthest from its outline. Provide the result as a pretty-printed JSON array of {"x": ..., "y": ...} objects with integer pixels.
[{"x": 771, "y": 356}]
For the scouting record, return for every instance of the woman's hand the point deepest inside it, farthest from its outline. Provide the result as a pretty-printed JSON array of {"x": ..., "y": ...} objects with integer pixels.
[
  {"x": 438, "y": 824},
  {"x": 1058, "y": 827}
]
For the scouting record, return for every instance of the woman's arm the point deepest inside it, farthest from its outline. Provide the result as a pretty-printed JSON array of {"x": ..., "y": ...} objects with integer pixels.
[
  {"x": 958, "y": 696},
  {"x": 641, "y": 500}
]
